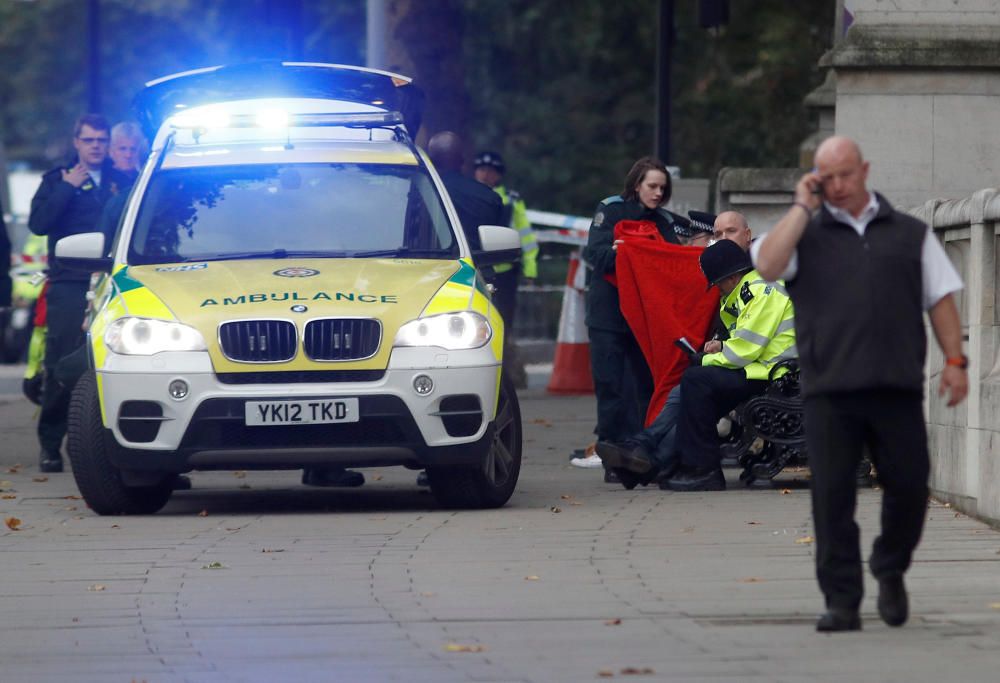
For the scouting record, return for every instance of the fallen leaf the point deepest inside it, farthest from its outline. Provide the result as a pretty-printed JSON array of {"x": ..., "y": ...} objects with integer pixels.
[
  {"x": 428, "y": 594},
  {"x": 39, "y": 479},
  {"x": 115, "y": 526},
  {"x": 575, "y": 502},
  {"x": 240, "y": 474},
  {"x": 97, "y": 587},
  {"x": 541, "y": 421},
  {"x": 753, "y": 523},
  {"x": 203, "y": 513},
  {"x": 995, "y": 605},
  {"x": 532, "y": 577},
  {"x": 69, "y": 508},
  {"x": 272, "y": 550},
  {"x": 555, "y": 509},
  {"x": 633, "y": 671},
  {"x": 566, "y": 496},
  {"x": 13, "y": 523},
  {"x": 8, "y": 496},
  {"x": 804, "y": 540},
  {"x": 785, "y": 492},
  {"x": 376, "y": 477},
  {"x": 613, "y": 622},
  {"x": 214, "y": 565},
  {"x": 947, "y": 505},
  {"x": 456, "y": 647},
  {"x": 72, "y": 498},
  {"x": 5, "y": 483},
  {"x": 15, "y": 469},
  {"x": 606, "y": 673},
  {"x": 751, "y": 579}
]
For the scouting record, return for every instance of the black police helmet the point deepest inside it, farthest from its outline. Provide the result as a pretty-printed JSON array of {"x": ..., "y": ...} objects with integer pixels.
[
  {"x": 722, "y": 259},
  {"x": 490, "y": 159}
]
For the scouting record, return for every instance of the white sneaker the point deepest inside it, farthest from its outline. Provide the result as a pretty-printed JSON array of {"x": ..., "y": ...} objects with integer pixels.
[{"x": 590, "y": 462}]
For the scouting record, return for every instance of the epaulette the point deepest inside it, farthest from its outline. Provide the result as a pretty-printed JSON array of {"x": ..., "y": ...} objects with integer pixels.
[{"x": 613, "y": 199}]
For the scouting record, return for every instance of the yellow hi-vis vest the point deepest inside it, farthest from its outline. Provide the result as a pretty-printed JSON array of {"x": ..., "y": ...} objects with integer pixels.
[
  {"x": 761, "y": 324},
  {"x": 519, "y": 221}
]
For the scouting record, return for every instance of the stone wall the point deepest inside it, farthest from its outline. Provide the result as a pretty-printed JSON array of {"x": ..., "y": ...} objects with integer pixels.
[
  {"x": 763, "y": 195},
  {"x": 965, "y": 441}
]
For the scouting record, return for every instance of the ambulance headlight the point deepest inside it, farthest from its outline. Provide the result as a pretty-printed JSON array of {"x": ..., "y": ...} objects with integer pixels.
[
  {"x": 146, "y": 336},
  {"x": 452, "y": 331}
]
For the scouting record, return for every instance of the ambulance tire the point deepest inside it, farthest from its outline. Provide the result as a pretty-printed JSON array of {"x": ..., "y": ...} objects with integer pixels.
[
  {"x": 88, "y": 445},
  {"x": 491, "y": 484}
]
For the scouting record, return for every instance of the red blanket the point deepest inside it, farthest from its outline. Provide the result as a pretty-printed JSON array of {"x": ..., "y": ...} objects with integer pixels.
[{"x": 663, "y": 297}]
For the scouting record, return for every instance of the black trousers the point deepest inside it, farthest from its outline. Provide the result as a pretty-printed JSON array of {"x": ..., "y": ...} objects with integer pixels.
[
  {"x": 707, "y": 394},
  {"x": 623, "y": 384},
  {"x": 838, "y": 426},
  {"x": 66, "y": 304}
]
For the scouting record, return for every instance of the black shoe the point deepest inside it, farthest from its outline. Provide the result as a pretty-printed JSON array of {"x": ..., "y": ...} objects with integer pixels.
[
  {"x": 331, "y": 476},
  {"x": 611, "y": 477},
  {"x": 50, "y": 462},
  {"x": 893, "y": 605},
  {"x": 838, "y": 619},
  {"x": 630, "y": 455},
  {"x": 181, "y": 483},
  {"x": 422, "y": 479},
  {"x": 692, "y": 479}
]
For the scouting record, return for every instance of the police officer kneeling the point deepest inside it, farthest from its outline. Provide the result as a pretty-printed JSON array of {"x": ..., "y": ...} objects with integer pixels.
[{"x": 761, "y": 326}]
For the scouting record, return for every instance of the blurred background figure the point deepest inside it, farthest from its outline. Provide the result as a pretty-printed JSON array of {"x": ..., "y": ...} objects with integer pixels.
[
  {"x": 489, "y": 170},
  {"x": 129, "y": 149}
]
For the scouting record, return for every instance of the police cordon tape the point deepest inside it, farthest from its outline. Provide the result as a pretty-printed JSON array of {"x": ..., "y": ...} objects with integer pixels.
[{"x": 568, "y": 229}]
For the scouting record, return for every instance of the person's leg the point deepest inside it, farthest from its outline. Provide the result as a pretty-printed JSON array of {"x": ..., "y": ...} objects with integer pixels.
[
  {"x": 899, "y": 449},
  {"x": 642, "y": 381},
  {"x": 834, "y": 437},
  {"x": 708, "y": 393},
  {"x": 607, "y": 364},
  {"x": 66, "y": 307}
]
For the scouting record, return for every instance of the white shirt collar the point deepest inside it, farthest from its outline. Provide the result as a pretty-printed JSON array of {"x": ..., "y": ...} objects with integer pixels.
[{"x": 866, "y": 216}]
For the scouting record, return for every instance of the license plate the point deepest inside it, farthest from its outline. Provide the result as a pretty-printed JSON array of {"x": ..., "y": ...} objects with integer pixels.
[{"x": 314, "y": 411}]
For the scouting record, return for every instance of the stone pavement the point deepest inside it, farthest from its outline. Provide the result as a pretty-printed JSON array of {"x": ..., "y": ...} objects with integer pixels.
[{"x": 256, "y": 578}]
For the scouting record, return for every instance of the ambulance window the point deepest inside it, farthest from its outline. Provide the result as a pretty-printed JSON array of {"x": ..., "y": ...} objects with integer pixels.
[{"x": 300, "y": 209}]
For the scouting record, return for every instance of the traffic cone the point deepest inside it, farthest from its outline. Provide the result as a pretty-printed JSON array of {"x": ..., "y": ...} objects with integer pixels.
[{"x": 571, "y": 367}]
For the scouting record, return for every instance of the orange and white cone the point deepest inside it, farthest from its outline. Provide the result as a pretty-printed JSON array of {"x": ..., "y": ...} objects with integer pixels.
[{"x": 571, "y": 367}]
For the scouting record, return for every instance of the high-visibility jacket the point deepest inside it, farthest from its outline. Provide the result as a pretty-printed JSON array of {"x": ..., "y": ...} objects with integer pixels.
[
  {"x": 517, "y": 218},
  {"x": 761, "y": 324}
]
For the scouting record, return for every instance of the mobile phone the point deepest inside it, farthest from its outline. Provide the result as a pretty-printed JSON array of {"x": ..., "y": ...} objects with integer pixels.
[{"x": 819, "y": 185}]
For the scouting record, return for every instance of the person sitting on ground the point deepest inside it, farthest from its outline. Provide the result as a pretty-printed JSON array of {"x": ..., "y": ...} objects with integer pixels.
[{"x": 760, "y": 321}]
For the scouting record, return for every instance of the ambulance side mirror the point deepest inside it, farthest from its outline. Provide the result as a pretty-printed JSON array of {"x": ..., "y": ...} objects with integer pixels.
[
  {"x": 500, "y": 244},
  {"x": 83, "y": 252}
]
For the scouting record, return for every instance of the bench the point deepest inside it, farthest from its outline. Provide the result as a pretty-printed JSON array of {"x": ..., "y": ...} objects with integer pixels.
[{"x": 768, "y": 434}]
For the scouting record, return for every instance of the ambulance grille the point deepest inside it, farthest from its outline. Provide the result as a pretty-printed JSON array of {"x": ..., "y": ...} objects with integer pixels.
[
  {"x": 338, "y": 339},
  {"x": 258, "y": 341}
]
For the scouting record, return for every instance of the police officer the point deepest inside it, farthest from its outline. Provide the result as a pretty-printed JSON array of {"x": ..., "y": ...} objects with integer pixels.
[
  {"x": 69, "y": 201},
  {"x": 489, "y": 170},
  {"x": 761, "y": 324},
  {"x": 622, "y": 381}
]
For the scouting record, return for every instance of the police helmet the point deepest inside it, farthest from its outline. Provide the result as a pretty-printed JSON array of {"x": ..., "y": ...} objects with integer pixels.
[
  {"x": 722, "y": 259},
  {"x": 492, "y": 159}
]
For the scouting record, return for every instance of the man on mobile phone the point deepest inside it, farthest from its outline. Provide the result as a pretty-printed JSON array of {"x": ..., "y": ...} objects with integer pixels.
[{"x": 861, "y": 275}]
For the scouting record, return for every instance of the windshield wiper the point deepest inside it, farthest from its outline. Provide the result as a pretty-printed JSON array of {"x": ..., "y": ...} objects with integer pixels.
[
  {"x": 273, "y": 254},
  {"x": 403, "y": 252}
]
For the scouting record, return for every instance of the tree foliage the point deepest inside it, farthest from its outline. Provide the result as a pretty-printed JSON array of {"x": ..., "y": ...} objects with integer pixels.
[{"x": 564, "y": 90}]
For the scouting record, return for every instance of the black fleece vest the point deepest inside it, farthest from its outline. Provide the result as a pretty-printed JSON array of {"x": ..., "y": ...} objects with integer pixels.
[{"x": 859, "y": 304}]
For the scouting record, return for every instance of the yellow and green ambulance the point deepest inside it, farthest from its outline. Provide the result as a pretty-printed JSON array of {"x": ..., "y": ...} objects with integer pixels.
[{"x": 289, "y": 287}]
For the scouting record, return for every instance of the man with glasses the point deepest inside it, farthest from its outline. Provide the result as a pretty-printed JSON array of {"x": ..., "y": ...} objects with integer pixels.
[{"x": 69, "y": 201}]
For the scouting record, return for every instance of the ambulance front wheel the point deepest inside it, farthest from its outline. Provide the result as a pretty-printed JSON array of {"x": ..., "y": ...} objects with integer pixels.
[
  {"x": 88, "y": 446},
  {"x": 491, "y": 483}
]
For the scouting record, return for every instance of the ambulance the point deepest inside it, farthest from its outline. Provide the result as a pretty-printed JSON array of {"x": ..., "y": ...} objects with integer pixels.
[{"x": 290, "y": 287}]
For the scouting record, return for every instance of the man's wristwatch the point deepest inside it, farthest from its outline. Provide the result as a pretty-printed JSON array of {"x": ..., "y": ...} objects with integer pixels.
[{"x": 958, "y": 361}]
